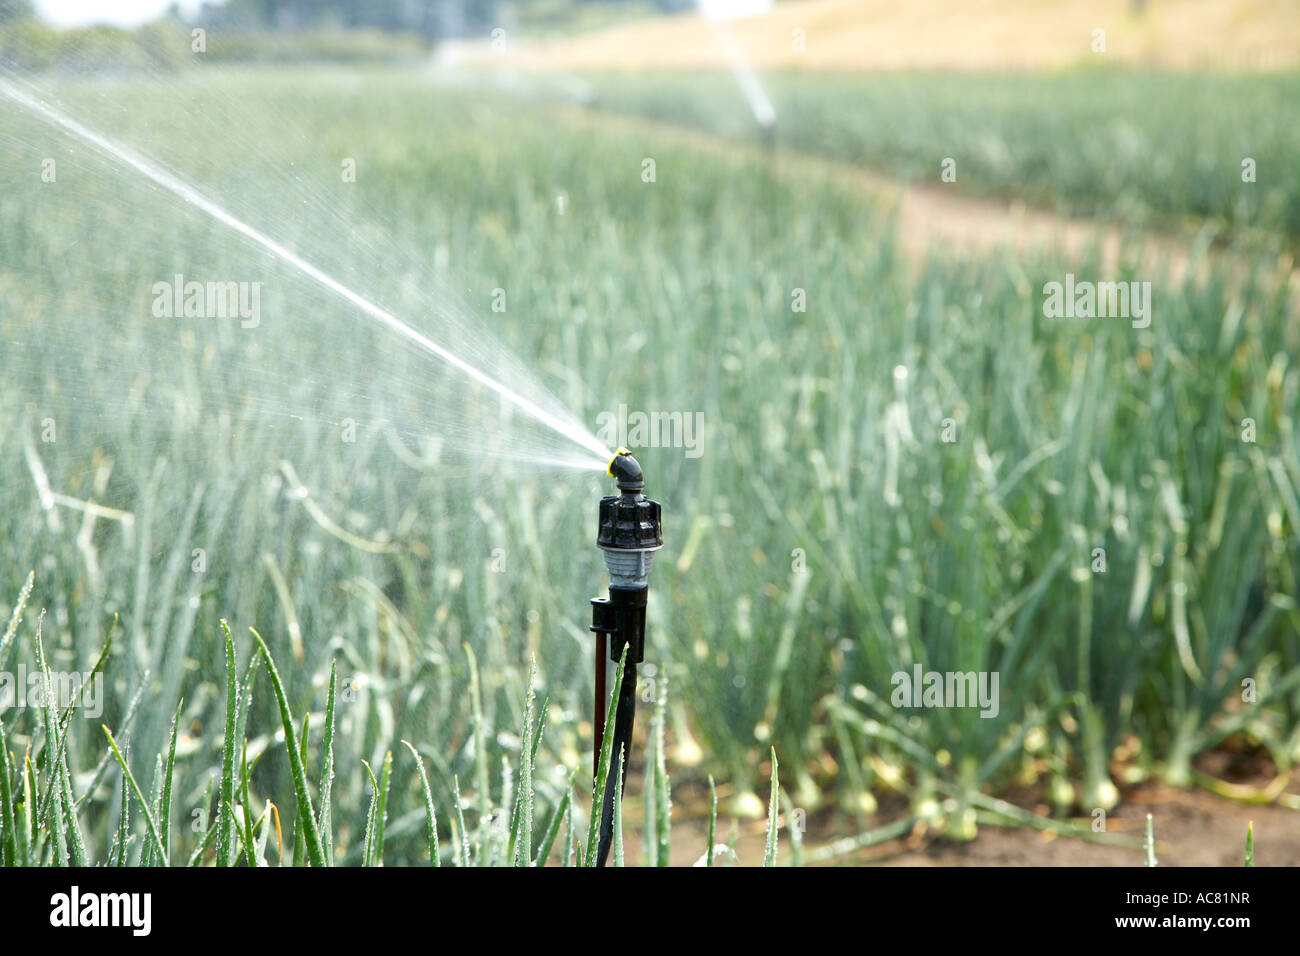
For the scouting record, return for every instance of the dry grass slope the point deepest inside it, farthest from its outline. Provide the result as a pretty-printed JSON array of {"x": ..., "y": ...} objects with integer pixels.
[{"x": 944, "y": 34}]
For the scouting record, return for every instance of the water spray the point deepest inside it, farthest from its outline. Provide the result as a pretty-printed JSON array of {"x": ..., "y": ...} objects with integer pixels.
[
  {"x": 718, "y": 14},
  {"x": 556, "y": 420},
  {"x": 629, "y": 535},
  {"x": 629, "y": 530}
]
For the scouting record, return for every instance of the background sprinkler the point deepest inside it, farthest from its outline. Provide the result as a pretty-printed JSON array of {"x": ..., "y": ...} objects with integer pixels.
[
  {"x": 629, "y": 535},
  {"x": 718, "y": 14}
]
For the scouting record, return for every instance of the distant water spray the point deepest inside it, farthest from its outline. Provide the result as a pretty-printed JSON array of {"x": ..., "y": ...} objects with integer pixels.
[
  {"x": 569, "y": 429},
  {"x": 717, "y": 13}
]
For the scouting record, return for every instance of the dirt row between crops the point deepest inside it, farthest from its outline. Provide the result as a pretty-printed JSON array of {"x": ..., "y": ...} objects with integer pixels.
[
  {"x": 1192, "y": 828},
  {"x": 939, "y": 220}
]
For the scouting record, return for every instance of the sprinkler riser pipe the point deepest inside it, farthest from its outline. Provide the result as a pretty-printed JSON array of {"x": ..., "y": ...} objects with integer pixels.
[{"x": 629, "y": 623}]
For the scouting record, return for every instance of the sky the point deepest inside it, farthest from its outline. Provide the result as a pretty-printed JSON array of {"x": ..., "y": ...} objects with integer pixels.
[
  {"x": 733, "y": 9},
  {"x": 128, "y": 13}
]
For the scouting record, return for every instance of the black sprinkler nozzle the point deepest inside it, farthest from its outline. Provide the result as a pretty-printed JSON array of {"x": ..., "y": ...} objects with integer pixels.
[{"x": 626, "y": 470}]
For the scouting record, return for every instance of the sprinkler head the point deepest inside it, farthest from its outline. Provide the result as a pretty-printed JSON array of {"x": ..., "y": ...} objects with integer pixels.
[
  {"x": 629, "y": 525},
  {"x": 628, "y": 521}
]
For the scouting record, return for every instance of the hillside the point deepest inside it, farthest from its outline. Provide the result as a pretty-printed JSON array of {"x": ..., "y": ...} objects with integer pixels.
[{"x": 938, "y": 34}]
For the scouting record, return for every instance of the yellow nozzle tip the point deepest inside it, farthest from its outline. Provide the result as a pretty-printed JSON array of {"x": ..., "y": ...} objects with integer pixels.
[{"x": 609, "y": 469}]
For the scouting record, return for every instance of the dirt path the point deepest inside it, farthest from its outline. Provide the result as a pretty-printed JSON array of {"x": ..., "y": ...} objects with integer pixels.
[{"x": 938, "y": 218}]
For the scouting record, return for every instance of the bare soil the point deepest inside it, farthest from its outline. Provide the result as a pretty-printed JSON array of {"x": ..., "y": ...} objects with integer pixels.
[{"x": 1192, "y": 827}]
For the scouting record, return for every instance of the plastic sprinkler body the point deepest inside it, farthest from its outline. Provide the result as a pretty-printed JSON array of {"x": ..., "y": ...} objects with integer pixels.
[{"x": 629, "y": 535}]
